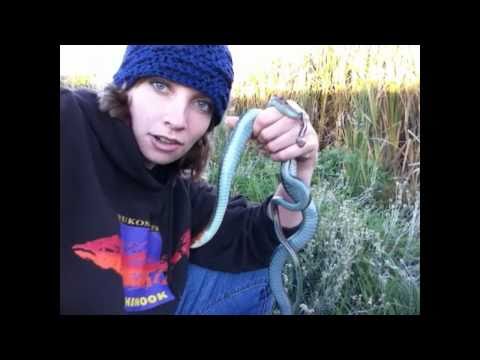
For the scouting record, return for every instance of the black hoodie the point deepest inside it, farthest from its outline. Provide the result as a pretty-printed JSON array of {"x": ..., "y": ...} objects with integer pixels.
[{"x": 126, "y": 231}]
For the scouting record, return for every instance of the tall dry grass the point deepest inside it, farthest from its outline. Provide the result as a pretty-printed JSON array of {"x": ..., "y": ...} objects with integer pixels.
[{"x": 366, "y": 98}]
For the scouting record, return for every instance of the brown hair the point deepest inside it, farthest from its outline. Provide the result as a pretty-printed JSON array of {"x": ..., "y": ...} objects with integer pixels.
[{"x": 114, "y": 100}]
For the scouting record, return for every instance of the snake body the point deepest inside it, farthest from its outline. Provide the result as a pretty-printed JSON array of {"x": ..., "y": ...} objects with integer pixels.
[
  {"x": 296, "y": 189},
  {"x": 230, "y": 161},
  {"x": 300, "y": 194}
]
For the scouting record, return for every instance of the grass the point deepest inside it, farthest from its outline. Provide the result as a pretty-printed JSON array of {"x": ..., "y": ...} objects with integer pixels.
[{"x": 365, "y": 257}]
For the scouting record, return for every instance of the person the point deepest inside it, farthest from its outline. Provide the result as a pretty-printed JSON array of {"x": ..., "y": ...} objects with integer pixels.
[{"x": 133, "y": 200}]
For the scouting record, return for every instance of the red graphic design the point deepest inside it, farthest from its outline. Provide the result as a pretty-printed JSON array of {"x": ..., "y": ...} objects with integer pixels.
[
  {"x": 134, "y": 269},
  {"x": 183, "y": 248}
]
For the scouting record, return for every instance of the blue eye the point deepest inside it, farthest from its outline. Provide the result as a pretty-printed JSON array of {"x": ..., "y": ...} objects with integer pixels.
[
  {"x": 159, "y": 85},
  {"x": 205, "y": 106}
]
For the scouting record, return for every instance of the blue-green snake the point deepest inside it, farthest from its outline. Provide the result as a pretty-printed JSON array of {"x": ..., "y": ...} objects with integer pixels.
[{"x": 296, "y": 189}]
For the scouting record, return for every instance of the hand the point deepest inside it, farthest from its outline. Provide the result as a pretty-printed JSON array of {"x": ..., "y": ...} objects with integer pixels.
[{"x": 277, "y": 134}]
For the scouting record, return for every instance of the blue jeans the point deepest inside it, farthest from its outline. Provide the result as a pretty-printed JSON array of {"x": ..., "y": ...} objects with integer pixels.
[{"x": 209, "y": 292}]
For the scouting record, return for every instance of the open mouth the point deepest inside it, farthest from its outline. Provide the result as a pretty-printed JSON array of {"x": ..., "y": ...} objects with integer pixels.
[
  {"x": 164, "y": 144},
  {"x": 165, "y": 140}
]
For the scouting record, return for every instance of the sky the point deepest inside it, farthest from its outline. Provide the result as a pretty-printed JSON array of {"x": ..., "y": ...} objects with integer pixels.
[{"x": 104, "y": 60}]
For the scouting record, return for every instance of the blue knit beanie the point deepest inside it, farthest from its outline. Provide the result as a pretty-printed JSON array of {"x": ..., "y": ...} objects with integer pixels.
[{"x": 205, "y": 68}]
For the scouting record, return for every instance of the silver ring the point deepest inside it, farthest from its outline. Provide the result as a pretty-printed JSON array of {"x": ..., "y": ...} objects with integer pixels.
[{"x": 300, "y": 141}]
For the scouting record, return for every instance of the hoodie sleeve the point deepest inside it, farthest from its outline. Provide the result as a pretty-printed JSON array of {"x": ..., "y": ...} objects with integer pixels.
[{"x": 246, "y": 239}]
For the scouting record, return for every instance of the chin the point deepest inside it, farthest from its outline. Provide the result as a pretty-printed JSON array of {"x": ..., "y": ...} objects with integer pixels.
[{"x": 163, "y": 160}]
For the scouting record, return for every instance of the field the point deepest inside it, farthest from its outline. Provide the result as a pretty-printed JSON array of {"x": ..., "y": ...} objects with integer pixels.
[{"x": 364, "y": 102}]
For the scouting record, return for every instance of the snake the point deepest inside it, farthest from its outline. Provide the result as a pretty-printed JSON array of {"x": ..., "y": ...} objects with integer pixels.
[{"x": 295, "y": 188}]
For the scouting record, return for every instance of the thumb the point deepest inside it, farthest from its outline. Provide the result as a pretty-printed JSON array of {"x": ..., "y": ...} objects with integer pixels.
[{"x": 231, "y": 121}]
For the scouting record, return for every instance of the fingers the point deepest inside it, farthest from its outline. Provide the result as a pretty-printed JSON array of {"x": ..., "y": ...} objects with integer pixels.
[
  {"x": 294, "y": 152},
  {"x": 266, "y": 118},
  {"x": 284, "y": 147},
  {"x": 276, "y": 134},
  {"x": 277, "y": 129},
  {"x": 282, "y": 141}
]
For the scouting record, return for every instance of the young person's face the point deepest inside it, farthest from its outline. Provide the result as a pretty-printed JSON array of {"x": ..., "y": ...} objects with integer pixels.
[{"x": 163, "y": 112}]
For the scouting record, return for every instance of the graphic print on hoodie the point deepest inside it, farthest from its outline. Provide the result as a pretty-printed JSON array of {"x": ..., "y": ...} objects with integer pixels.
[{"x": 136, "y": 255}]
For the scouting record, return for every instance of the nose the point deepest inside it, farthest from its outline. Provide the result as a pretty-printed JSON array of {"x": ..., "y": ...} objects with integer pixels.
[{"x": 176, "y": 113}]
